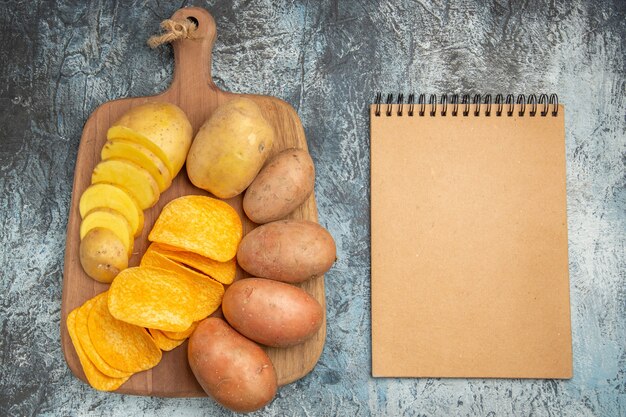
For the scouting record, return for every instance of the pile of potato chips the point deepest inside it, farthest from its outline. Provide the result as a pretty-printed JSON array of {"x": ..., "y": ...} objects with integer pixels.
[{"x": 155, "y": 307}]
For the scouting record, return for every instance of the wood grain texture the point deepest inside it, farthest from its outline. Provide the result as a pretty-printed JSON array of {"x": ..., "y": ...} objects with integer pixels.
[{"x": 193, "y": 90}]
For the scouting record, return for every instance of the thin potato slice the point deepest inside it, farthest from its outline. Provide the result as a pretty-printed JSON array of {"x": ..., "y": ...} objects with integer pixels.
[
  {"x": 199, "y": 224},
  {"x": 122, "y": 345},
  {"x": 163, "y": 342},
  {"x": 164, "y": 124},
  {"x": 109, "y": 219},
  {"x": 142, "y": 156},
  {"x": 129, "y": 176},
  {"x": 113, "y": 197},
  {"x": 181, "y": 335},
  {"x": 209, "y": 291},
  {"x": 96, "y": 379},
  {"x": 154, "y": 298},
  {"x": 121, "y": 132},
  {"x": 223, "y": 272},
  {"x": 82, "y": 332}
]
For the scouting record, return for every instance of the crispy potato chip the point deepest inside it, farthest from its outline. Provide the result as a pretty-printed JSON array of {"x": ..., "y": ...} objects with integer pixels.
[
  {"x": 153, "y": 298},
  {"x": 162, "y": 299},
  {"x": 163, "y": 342},
  {"x": 122, "y": 345},
  {"x": 223, "y": 272},
  {"x": 96, "y": 379},
  {"x": 82, "y": 333},
  {"x": 208, "y": 291},
  {"x": 181, "y": 335},
  {"x": 199, "y": 224}
]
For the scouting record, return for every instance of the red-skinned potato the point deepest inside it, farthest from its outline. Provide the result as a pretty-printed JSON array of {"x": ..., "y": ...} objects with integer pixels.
[
  {"x": 283, "y": 184},
  {"x": 231, "y": 369},
  {"x": 271, "y": 312},
  {"x": 290, "y": 251}
]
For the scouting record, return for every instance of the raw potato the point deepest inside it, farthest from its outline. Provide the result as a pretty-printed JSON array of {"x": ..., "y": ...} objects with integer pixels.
[
  {"x": 113, "y": 197},
  {"x": 289, "y": 250},
  {"x": 102, "y": 254},
  {"x": 140, "y": 155},
  {"x": 271, "y": 312},
  {"x": 130, "y": 176},
  {"x": 124, "y": 133},
  {"x": 230, "y": 148},
  {"x": 163, "y": 124},
  {"x": 283, "y": 184},
  {"x": 112, "y": 220},
  {"x": 233, "y": 370}
]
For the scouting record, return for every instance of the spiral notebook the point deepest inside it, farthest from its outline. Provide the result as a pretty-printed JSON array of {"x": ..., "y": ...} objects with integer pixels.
[{"x": 469, "y": 238}]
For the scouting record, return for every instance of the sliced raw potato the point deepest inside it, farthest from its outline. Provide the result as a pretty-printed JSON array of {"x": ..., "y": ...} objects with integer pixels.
[
  {"x": 162, "y": 299},
  {"x": 122, "y": 345},
  {"x": 223, "y": 272},
  {"x": 102, "y": 255},
  {"x": 140, "y": 155},
  {"x": 82, "y": 332},
  {"x": 113, "y": 197},
  {"x": 199, "y": 224},
  {"x": 164, "y": 124},
  {"x": 163, "y": 342},
  {"x": 121, "y": 132},
  {"x": 181, "y": 335},
  {"x": 129, "y": 176},
  {"x": 112, "y": 220},
  {"x": 96, "y": 379}
]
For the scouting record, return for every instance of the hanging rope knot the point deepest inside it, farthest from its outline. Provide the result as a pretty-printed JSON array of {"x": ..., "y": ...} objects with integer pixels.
[{"x": 172, "y": 31}]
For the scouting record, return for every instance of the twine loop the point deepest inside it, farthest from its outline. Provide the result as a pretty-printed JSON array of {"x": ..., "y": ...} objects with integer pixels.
[{"x": 173, "y": 30}]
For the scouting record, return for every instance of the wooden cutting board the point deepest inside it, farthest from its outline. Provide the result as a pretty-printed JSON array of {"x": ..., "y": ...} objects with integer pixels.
[{"x": 193, "y": 90}]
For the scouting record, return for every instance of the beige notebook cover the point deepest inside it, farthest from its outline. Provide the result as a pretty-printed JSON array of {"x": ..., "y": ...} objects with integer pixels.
[{"x": 469, "y": 245}]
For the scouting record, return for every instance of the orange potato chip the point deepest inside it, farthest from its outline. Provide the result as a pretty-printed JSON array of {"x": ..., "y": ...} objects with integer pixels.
[
  {"x": 124, "y": 346},
  {"x": 163, "y": 342},
  {"x": 96, "y": 379},
  {"x": 82, "y": 332},
  {"x": 199, "y": 224},
  {"x": 181, "y": 335},
  {"x": 223, "y": 272},
  {"x": 208, "y": 291},
  {"x": 163, "y": 299},
  {"x": 154, "y": 298}
]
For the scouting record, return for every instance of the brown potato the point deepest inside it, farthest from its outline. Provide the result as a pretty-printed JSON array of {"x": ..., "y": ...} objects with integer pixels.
[
  {"x": 233, "y": 370},
  {"x": 283, "y": 184},
  {"x": 288, "y": 250},
  {"x": 272, "y": 313},
  {"x": 102, "y": 254}
]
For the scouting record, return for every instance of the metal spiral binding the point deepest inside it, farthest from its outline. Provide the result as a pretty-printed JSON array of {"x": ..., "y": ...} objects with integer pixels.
[{"x": 542, "y": 105}]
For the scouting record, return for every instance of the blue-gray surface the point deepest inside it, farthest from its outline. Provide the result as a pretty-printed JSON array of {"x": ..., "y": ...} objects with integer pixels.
[{"x": 59, "y": 60}]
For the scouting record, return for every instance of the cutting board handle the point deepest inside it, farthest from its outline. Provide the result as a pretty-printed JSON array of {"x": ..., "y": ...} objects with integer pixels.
[{"x": 192, "y": 70}]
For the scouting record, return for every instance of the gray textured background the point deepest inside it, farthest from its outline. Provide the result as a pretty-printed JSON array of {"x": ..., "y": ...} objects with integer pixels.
[{"x": 59, "y": 60}]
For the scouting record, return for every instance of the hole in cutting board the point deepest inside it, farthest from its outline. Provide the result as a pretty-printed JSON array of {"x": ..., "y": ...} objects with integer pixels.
[{"x": 193, "y": 20}]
